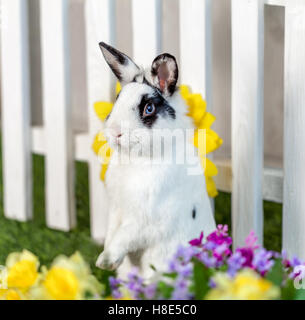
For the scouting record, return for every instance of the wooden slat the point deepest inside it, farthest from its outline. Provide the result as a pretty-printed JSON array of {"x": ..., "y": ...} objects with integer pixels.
[
  {"x": 147, "y": 27},
  {"x": 196, "y": 47},
  {"x": 100, "y": 81},
  {"x": 284, "y": 3},
  {"x": 247, "y": 117},
  {"x": 57, "y": 115},
  {"x": 15, "y": 113},
  {"x": 294, "y": 132}
]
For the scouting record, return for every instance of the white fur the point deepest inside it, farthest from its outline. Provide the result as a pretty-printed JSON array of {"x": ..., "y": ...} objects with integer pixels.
[{"x": 150, "y": 205}]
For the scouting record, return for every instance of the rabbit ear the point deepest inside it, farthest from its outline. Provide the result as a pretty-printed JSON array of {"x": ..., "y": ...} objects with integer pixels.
[
  {"x": 164, "y": 72},
  {"x": 121, "y": 65}
]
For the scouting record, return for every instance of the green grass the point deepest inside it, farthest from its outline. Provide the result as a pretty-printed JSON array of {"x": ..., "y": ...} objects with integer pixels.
[
  {"x": 42, "y": 241},
  {"x": 272, "y": 220},
  {"x": 47, "y": 244}
]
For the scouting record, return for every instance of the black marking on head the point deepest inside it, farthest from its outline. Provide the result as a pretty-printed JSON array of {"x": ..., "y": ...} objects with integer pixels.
[
  {"x": 121, "y": 65},
  {"x": 194, "y": 213},
  {"x": 119, "y": 56},
  {"x": 162, "y": 108}
]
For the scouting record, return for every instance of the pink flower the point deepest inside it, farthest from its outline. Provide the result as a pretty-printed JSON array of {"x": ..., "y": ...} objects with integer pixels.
[{"x": 197, "y": 242}]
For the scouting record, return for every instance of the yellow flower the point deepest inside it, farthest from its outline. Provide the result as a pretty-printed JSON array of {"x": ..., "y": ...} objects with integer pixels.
[
  {"x": 22, "y": 270},
  {"x": 10, "y": 294},
  {"x": 247, "y": 285},
  {"x": 202, "y": 120},
  {"x": 61, "y": 284},
  {"x": 69, "y": 278}
]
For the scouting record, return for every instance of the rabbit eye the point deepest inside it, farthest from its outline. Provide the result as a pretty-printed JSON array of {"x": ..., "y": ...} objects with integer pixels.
[{"x": 149, "y": 110}]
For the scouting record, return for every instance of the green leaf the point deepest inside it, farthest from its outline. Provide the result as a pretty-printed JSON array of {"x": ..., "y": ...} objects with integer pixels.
[
  {"x": 172, "y": 275},
  {"x": 201, "y": 279},
  {"x": 276, "y": 274},
  {"x": 300, "y": 294},
  {"x": 165, "y": 290},
  {"x": 288, "y": 291}
]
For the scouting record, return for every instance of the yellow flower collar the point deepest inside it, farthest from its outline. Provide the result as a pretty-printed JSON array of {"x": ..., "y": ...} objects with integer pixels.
[{"x": 202, "y": 120}]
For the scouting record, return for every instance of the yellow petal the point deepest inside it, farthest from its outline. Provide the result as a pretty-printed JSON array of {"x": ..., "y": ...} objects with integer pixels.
[
  {"x": 197, "y": 108},
  {"x": 211, "y": 187},
  {"x": 22, "y": 275},
  {"x": 103, "y": 109},
  {"x": 118, "y": 88},
  {"x": 185, "y": 91},
  {"x": 105, "y": 153},
  {"x": 207, "y": 121},
  {"x": 61, "y": 284},
  {"x": 104, "y": 171},
  {"x": 98, "y": 143},
  {"x": 210, "y": 168}
]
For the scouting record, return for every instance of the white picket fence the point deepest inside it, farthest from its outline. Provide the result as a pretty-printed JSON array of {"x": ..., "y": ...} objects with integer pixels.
[{"x": 61, "y": 146}]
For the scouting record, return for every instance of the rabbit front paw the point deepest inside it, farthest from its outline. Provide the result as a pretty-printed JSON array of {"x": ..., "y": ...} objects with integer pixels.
[{"x": 109, "y": 261}]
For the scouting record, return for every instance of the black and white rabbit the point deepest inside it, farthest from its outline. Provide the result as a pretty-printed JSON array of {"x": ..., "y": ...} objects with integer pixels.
[{"x": 153, "y": 207}]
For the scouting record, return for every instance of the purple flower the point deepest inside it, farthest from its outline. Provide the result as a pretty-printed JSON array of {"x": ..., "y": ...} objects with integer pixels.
[
  {"x": 115, "y": 285},
  {"x": 235, "y": 263},
  {"x": 251, "y": 241},
  {"x": 262, "y": 261},
  {"x": 220, "y": 236},
  {"x": 197, "y": 242},
  {"x": 248, "y": 254},
  {"x": 181, "y": 290},
  {"x": 150, "y": 291},
  {"x": 207, "y": 260},
  {"x": 248, "y": 251},
  {"x": 185, "y": 254},
  {"x": 135, "y": 284}
]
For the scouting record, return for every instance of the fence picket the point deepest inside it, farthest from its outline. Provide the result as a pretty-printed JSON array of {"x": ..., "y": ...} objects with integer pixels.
[
  {"x": 16, "y": 134},
  {"x": 57, "y": 115},
  {"x": 294, "y": 132},
  {"x": 100, "y": 25},
  {"x": 196, "y": 47},
  {"x": 147, "y": 29},
  {"x": 247, "y": 118}
]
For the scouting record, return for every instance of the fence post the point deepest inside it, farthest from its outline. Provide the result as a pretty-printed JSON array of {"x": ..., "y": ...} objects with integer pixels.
[
  {"x": 294, "y": 132},
  {"x": 57, "y": 115},
  {"x": 100, "y": 26},
  {"x": 247, "y": 118},
  {"x": 16, "y": 146},
  {"x": 196, "y": 47},
  {"x": 147, "y": 30}
]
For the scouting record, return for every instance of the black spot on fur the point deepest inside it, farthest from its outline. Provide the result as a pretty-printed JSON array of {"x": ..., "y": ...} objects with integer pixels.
[
  {"x": 162, "y": 108},
  {"x": 194, "y": 213}
]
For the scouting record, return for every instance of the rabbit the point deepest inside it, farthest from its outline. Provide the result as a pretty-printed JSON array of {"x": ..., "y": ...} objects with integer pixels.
[{"x": 153, "y": 207}]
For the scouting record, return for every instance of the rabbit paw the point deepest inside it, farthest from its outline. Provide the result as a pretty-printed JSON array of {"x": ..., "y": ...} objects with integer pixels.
[{"x": 109, "y": 261}]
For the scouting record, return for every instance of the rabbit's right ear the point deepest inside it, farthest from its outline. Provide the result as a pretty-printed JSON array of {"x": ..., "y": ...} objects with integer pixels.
[{"x": 121, "y": 65}]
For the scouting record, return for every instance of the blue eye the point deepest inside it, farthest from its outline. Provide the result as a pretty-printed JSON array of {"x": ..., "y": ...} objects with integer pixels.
[{"x": 149, "y": 110}]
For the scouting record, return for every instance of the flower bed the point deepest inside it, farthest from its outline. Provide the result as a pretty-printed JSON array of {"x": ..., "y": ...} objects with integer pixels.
[
  {"x": 212, "y": 270},
  {"x": 207, "y": 269}
]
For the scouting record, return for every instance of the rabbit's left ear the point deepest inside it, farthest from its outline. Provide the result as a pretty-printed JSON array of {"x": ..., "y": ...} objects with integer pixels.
[
  {"x": 164, "y": 72},
  {"x": 121, "y": 65}
]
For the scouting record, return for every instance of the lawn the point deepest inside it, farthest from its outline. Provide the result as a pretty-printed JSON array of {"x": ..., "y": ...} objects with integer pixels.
[{"x": 47, "y": 244}]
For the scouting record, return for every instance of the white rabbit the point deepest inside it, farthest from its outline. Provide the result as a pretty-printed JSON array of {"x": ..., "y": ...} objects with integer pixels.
[{"x": 154, "y": 207}]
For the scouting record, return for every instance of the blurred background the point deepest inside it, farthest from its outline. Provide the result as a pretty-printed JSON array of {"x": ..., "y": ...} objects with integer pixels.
[{"x": 274, "y": 57}]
